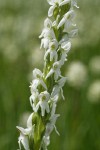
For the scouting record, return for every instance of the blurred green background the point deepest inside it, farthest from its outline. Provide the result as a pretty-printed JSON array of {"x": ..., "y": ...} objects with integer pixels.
[{"x": 21, "y": 22}]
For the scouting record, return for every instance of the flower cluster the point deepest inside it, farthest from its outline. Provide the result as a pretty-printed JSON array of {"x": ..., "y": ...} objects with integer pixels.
[{"x": 46, "y": 86}]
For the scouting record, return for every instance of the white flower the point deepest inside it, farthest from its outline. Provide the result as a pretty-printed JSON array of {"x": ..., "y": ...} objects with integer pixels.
[
  {"x": 51, "y": 125},
  {"x": 58, "y": 87},
  {"x": 37, "y": 73},
  {"x": 44, "y": 43},
  {"x": 23, "y": 140},
  {"x": 94, "y": 92},
  {"x": 47, "y": 27},
  {"x": 33, "y": 100},
  {"x": 54, "y": 4},
  {"x": 38, "y": 80},
  {"x": 69, "y": 25},
  {"x": 35, "y": 83},
  {"x": 55, "y": 70},
  {"x": 67, "y": 19},
  {"x": 53, "y": 110},
  {"x": 24, "y": 133},
  {"x": 43, "y": 102},
  {"x": 52, "y": 50},
  {"x": 47, "y": 32},
  {"x": 66, "y": 46}
]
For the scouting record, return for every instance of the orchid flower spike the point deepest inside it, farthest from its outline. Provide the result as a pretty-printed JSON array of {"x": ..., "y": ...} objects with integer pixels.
[{"x": 47, "y": 85}]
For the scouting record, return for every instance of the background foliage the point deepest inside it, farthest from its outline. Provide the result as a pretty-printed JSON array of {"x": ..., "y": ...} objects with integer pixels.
[{"x": 21, "y": 22}]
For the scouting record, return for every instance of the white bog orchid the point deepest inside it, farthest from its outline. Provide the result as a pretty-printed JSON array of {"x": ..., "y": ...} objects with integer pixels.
[
  {"x": 23, "y": 140},
  {"x": 51, "y": 125},
  {"x": 58, "y": 87},
  {"x": 52, "y": 50},
  {"x": 47, "y": 26},
  {"x": 43, "y": 102},
  {"x": 33, "y": 100},
  {"x": 53, "y": 55},
  {"x": 35, "y": 83},
  {"x": 65, "y": 48},
  {"x": 55, "y": 70},
  {"x": 47, "y": 36},
  {"x": 44, "y": 43},
  {"x": 37, "y": 73}
]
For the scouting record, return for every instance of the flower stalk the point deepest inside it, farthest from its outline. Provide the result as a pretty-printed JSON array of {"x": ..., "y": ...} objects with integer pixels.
[{"x": 46, "y": 87}]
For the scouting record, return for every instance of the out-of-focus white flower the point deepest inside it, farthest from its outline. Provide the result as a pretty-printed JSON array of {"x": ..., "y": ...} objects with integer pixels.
[
  {"x": 77, "y": 74},
  {"x": 55, "y": 70},
  {"x": 94, "y": 92},
  {"x": 95, "y": 65},
  {"x": 43, "y": 102}
]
